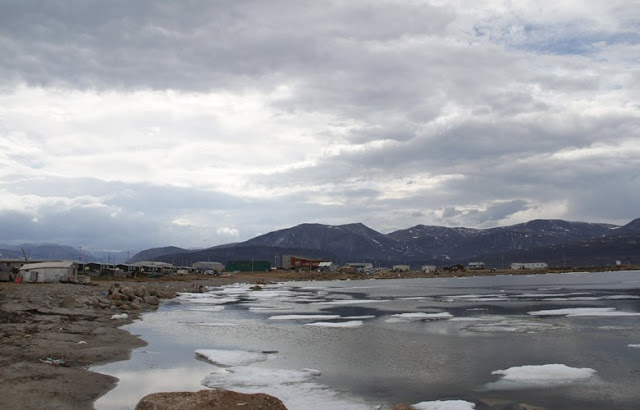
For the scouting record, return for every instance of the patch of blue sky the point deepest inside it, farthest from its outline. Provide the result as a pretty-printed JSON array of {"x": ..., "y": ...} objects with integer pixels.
[{"x": 566, "y": 39}]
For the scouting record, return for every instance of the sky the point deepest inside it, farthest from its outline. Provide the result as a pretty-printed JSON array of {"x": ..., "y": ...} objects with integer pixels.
[{"x": 131, "y": 125}]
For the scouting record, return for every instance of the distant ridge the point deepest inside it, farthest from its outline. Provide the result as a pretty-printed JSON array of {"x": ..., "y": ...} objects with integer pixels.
[
  {"x": 552, "y": 241},
  {"x": 556, "y": 242}
]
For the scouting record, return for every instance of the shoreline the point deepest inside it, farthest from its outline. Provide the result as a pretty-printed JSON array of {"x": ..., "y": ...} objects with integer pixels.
[{"x": 51, "y": 334}]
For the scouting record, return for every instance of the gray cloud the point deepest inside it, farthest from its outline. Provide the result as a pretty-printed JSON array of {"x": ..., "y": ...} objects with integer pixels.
[{"x": 241, "y": 117}]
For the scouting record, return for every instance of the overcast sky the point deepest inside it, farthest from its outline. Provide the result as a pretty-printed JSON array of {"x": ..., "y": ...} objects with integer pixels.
[{"x": 137, "y": 124}]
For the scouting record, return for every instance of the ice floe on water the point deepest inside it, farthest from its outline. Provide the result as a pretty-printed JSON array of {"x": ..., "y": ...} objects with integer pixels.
[
  {"x": 444, "y": 405},
  {"x": 583, "y": 312},
  {"x": 213, "y": 324},
  {"x": 216, "y": 308},
  {"x": 304, "y": 317},
  {"x": 508, "y": 325},
  {"x": 231, "y": 357},
  {"x": 348, "y": 324},
  {"x": 414, "y": 316},
  {"x": 297, "y": 389},
  {"x": 546, "y": 375},
  {"x": 351, "y": 302},
  {"x": 634, "y": 345},
  {"x": 270, "y": 308}
]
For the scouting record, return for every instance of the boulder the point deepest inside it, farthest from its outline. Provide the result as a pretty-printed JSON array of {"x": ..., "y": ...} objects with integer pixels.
[
  {"x": 69, "y": 302},
  {"x": 128, "y": 292},
  {"x": 209, "y": 400},
  {"x": 151, "y": 300}
]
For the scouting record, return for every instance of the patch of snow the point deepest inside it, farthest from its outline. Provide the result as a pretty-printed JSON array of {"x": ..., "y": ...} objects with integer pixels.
[
  {"x": 213, "y": 324},
  {"x": 351, "y": 302},
  {"x": 304, "y": 317},
  {"x": 582, "y": 312},
  {"x": 120, "y": 316},
  {"x": 348, "y": 324},
  {"x": 409, "y": 317},
  {"x": 206, "y": 309},
  {"x": 444, "y": 405},
  {"x": 296, "y": 388},
  {"x": 546, "y": 375},
  {"x": 511, "y": 326},
  {"x": 231, "y": 357}
]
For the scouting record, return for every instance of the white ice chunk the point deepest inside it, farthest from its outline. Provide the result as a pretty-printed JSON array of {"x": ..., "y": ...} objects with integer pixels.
[
  {"x": 296, "y": 388},
  {"x": 349, "y": 324},
  {"x": 304, "y": 317},
  {"x": 351, "y": 302},
  {"x": 444, "y": 405},
  {"x": 120, "y": 316},
  {"x": 511, "y": 326},
  {"x": 206, "y": 309},
  {"x": 545, "y": 375},
  {"x": 270, "y": 308},
  {"x": 231, "y": 357},
  {"x": 412, "y": 316},
  {"x": 635, "y": 345},
  {"x": 574, "y": 312}
]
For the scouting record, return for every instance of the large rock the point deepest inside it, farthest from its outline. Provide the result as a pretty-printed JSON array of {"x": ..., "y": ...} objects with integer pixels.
[{"x": 209, "y": 400}]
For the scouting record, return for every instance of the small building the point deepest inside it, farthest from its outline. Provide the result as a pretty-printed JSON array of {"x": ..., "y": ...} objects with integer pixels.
[
  {"x": 361, "y": 267},
  {"x": 475, "y": 265},
  {"x": 327, "y": 267},
  {"x": 429, "y": 268},
  {"x": 401, "y": 268},
  {"x": 248, "y": 266},
  {"x": 528, "y": 265},
  {"x": 301, "y": 262},
  {"x": 208, "y": 267},
  {"x": 55, "y": 271}
]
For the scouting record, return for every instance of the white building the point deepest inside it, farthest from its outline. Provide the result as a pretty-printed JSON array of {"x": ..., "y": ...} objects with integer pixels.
[
  {"x": 364, "y": 267},
  {"x": 528, "y": 265},
  {"x": 327, "y": 267},
  {"x": 401, "y": 268},
  {"x": 475, "y": 265},
  {"x": 57, "y": 271},
  {"x": 209, "y": 266},
  {"x": 429, "y": 268}
]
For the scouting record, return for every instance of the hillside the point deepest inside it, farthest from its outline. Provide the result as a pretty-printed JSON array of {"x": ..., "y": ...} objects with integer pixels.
[{"x": 553, "y": 241}]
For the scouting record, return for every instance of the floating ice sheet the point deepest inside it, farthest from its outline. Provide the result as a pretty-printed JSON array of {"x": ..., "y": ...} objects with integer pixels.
[
  {"x": 304, "y": 317},
  {"x": 297, "y": 389},
  {"x": 213, "y": 324},
  {"x": 574, "y": 312},
  {"x": 216, "y": 308},
  {"x": 351, "y": 302},
  {"x": 231, "y": 357},
  {"x": 546, "y": 375},
  {"x": 511, "y": 326},
  {"x": 413, "y": 316},
  {"x": 444, "y": 405},
  {"x": 348, "y": 324},
  {"x": 635, "y": 345}
]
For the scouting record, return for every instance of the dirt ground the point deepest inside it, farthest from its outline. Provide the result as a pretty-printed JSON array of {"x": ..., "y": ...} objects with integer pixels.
[{"x": 50, "y": 334}]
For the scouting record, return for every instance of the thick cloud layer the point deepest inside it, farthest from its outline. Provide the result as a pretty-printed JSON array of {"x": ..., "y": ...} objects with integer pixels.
[{"x": 138, "y": 124}]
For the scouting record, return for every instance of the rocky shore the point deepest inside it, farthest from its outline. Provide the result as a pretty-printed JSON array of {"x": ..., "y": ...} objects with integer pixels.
[{"x": 51, "y": 333}]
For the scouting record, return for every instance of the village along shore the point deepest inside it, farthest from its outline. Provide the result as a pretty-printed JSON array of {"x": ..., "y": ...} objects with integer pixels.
[{"x": 51, "y": 333}]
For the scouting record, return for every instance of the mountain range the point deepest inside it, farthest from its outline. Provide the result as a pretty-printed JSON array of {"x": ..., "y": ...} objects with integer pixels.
[{"x": 556, "y": 242}]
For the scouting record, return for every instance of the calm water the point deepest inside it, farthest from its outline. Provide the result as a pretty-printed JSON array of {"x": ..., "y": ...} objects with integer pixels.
[{"x": 378, "y": 343}]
